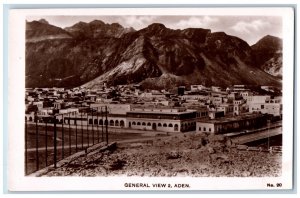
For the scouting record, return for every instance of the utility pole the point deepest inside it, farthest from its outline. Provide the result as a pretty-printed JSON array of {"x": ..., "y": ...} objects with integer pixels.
[{"x": 268, "y": 122}]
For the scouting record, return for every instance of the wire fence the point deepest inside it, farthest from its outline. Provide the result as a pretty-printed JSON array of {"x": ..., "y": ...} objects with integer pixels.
[{"x": 49, "y": 139}]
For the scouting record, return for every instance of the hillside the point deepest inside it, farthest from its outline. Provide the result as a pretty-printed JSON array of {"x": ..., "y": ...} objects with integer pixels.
[
  {"x": 88, "y": 54},
  {"x": 267, "y": 53}
]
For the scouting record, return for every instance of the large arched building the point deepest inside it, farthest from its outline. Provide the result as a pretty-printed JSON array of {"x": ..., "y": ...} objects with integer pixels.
[{"x": 162, "y": 119}]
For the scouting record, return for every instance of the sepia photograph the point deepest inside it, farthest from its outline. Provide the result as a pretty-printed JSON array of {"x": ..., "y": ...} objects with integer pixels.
[{"x": 158, "y": 99}]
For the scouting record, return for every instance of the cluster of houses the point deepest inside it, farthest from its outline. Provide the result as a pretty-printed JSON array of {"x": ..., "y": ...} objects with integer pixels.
[{"x": 200, "y": 108}]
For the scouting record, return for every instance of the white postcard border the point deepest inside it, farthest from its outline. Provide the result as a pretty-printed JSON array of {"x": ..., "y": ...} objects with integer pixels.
[{"x": 16, "y": 71}]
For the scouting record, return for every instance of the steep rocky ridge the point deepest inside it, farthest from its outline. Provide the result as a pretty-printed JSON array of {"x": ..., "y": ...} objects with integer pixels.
[{"x": 95, "y": 52}]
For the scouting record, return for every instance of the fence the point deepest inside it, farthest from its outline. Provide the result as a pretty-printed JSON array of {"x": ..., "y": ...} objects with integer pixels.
[{"x": 49, "y": 139}]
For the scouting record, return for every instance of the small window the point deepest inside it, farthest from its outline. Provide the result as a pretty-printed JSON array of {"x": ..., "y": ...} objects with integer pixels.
[
  {"x": 199, "y": 128},
  {"x": 209, "y": 129},
  {"x": 204, "y": 129}
]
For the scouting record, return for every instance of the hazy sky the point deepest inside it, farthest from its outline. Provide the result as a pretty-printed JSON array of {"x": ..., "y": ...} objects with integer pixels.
[{"x": 249, "y": 28}]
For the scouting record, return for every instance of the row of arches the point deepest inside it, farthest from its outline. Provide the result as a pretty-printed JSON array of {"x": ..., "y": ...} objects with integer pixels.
[
  {"x": 149, "y": 124},
  {"x": 154, "y": 126},
  {"x": 120, "y": 123}
]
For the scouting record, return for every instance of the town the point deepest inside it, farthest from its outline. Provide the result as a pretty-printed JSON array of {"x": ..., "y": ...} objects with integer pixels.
[{"x": 183, "y": 109}]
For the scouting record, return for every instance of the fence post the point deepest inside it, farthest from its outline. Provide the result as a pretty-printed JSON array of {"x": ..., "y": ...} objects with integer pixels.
[
  {"x": 87, "y": 127},
  {"x": 93, "y": 126},
  {"x": 46, "y": 142},
  {"x": 36, "y": 142},
  {"x": 55, "y": 145},
  {"x": 106, "y": 125},
  {"x": 97, "y": 125},
  {"x": 75, "y": 122},
  {"x": 63, "y": 137},
  {"x": 103, "y": 121},
  {"x": 81, "y": 125},
  {"x": 69, "y": 120},
  {"x": 26, "y": 167}
]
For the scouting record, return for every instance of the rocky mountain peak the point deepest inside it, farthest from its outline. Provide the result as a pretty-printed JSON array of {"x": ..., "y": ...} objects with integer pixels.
[
  {"x": 97, "y": 23},
  {"x": 42, "y": 30},
  {"x": 96, "y": 29},
  {"x": 43, "y": 21},
  {"x": 267, "y": 53},
  {"x": 268, "y": 42}
]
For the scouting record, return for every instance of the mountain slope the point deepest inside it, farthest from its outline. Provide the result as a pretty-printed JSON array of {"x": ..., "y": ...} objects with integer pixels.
[
  {"x": 42, "y": 30},
  {"x": 96, "y": 52},
  {"x": 97, "y": 29},
  {"x": 267, "y": 53}
]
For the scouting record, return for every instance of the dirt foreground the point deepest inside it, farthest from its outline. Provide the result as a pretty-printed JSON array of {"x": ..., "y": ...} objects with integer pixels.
[{"x": 190, "y": 154}]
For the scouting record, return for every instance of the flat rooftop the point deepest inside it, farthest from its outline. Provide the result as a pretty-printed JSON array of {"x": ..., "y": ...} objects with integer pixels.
[
  {"x": 161, "y": 112},
  {"x": 231, "y": 118}
]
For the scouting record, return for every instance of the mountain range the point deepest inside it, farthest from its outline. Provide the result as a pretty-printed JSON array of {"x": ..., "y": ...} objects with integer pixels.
[{"x": 89, "y": 54}]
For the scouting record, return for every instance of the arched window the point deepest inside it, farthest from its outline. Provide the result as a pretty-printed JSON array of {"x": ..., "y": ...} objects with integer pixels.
[
  {"x": 138, "y": 123},
  {"x": 144, "y": 124},
  {"x": 106, "y": 122},
  {"x": 25, "y": 118},
  {"x": 133, "y": 123},
  {"x": 101, "y": 122},
  {"x": 176, "y": 127},
  {"x": 117, "y": 123},
  {"x": 122, "y": 123},
  {"x": 149, "y": 124},
  {"x": 90, "y": 121},
  {"x": 111, "y": 123},
  {"x": 30, "y": 118},
  {"x": 165, "y": 125},
  {"x": 95, "y": 121},
  {"x": 159, "y": 124},
  {"x": 170, "y": 125}
]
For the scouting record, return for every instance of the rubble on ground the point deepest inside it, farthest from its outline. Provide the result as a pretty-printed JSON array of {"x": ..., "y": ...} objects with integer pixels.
[{"x": 189, "y": 154}]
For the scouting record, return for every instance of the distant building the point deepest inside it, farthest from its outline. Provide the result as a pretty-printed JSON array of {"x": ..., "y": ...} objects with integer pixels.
[
  {"x": 162, "y": 119},
  {"x": 226, "y": 108},
  {"x": 215, "y": 114},
  {"x": 216, "y": 89},
  {"x": 269, "y": 106},
  {"x": 39, "y": 104},
  {"x": 240, "y": 88},
  {"x": 59, "y": 105},
  {"x": 232, "y": 124},
  {"x": 257, "y": 99},
  {"x": 217, "y": 100},
  {"x": 201, "y": 111},
  {"x": 198, "y": 88},
  {"x": 246, "y": 94},
  {"x": 121, "y": 109}
]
